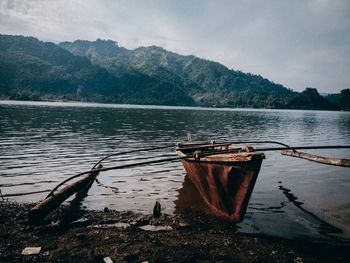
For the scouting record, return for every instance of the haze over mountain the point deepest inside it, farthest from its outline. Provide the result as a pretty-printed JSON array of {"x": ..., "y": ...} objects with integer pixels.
[{"x": 102, "y": 71}]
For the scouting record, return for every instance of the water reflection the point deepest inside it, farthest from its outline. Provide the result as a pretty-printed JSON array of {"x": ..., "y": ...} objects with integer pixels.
[
  {"x": 324, "y": 227},
  {"x": 189, "y": 200}
]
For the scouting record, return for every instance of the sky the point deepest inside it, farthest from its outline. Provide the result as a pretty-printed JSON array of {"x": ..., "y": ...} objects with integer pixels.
[{"x": 299, "y": 43}]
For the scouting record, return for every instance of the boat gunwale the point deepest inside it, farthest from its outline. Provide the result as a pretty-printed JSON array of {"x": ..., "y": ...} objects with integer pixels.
[
  {"x": 223, "y": 158},
  {"x": 230, "y": 163}
]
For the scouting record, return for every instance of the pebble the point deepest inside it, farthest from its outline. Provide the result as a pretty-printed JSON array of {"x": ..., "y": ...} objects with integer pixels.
[
  {"x": 156, "y": 228},
  {"x": 31, "y": 251},
  {"x": 107, "y": 260},
  {"x": 181, "y": 224}
]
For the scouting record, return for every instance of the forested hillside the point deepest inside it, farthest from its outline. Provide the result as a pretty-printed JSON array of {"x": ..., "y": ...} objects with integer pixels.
[
  {"x": 207, "y": 82},
  {"x": 35, "y": 70}
]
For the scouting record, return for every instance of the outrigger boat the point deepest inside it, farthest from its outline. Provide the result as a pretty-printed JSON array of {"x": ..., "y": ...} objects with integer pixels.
[{"x": 223, "y": 175}]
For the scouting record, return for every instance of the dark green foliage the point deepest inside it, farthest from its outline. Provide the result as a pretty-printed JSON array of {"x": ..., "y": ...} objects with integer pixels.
[
  {"x": 311, "y": 99},
  {"x": 341, "y": 99},
  {"x": 345, "y": 99},
  {"x": 34, "y": 70},
  {"x": 334, "y": 98},
  {"x": 31, "y": 69}
]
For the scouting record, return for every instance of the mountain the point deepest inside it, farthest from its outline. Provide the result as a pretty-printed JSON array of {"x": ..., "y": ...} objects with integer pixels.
[
  {"x": 207, "y": 82},
  {"x": 34, "y": 70},
  {"x": 102, "y": 71},
  {"x": 31, "y": 69}
]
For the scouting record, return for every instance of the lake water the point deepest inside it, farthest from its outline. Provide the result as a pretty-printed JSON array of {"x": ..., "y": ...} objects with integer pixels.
[{"x": 43, "y": 143}]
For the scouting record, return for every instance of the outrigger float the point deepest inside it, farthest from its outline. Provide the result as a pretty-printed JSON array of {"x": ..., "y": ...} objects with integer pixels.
[{"x": 223, "y": 173}]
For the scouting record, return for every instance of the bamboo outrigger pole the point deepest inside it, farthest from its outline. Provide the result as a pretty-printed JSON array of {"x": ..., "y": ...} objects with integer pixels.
[{"x": 317, "y": 158}]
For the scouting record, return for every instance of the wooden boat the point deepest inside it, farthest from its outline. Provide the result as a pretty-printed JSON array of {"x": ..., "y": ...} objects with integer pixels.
[{"x": 224, "y": 176}]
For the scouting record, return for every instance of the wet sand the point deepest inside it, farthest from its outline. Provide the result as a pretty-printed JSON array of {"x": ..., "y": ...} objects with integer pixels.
[{"x": 91, "y": 236}]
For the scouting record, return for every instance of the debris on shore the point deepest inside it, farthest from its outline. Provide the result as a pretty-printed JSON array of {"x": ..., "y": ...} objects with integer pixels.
[{"x": 112, "y": 236}]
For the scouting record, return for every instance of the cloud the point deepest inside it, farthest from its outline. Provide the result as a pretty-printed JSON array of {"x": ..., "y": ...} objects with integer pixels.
[{"x": 295, "y": 43}]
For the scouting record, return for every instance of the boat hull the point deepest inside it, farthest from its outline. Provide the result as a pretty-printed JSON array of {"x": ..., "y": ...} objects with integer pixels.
[{"x": 225, "y": 186}]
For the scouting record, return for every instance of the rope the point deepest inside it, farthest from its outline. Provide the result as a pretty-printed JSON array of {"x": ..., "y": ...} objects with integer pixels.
[
  {"x": 133, "y": 151},
  {"x": 267, "y": 142}
]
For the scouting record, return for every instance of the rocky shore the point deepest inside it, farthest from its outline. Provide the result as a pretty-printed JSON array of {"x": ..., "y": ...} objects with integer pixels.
[{"x": 112, "y": 236}]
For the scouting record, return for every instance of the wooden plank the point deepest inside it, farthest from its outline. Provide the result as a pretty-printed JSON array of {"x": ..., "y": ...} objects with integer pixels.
[
  {"x": 198, "y": 147},
  {"x": 317, "y": 158}
]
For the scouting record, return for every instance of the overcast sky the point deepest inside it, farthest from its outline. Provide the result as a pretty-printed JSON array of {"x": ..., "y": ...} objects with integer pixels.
[{"x": 296, "y": 43}]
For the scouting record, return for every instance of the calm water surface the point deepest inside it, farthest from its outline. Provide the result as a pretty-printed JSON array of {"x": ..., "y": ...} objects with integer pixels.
[{"x": 41, "y": 144}]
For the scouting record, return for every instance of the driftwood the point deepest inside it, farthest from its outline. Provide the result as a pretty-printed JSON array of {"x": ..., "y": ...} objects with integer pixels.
[
  {"x": 317, "y": 158},
  {"x": 54, "y": 200}
]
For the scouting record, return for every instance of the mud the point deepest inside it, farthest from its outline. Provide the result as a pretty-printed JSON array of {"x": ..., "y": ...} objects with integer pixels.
[{"x": 91, "y": 236}]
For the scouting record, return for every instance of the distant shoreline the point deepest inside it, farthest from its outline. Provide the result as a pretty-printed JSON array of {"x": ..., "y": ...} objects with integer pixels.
[{"x": 58, "y": 103}]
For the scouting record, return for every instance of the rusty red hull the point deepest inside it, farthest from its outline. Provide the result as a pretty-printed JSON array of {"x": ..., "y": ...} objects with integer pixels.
[{"x": 225, "y": 182}]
